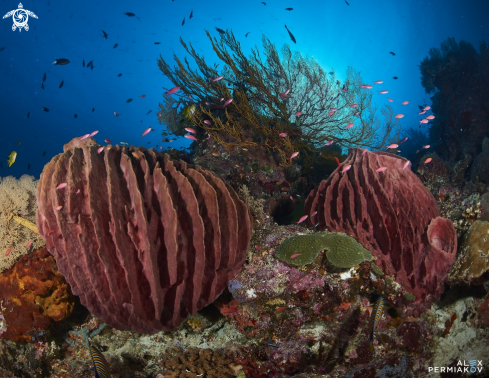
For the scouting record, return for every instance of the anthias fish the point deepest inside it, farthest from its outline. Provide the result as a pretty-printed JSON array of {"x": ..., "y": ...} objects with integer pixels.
[
  {"x": 290, "y": 34},
  {"x": 376, "y": 314}
]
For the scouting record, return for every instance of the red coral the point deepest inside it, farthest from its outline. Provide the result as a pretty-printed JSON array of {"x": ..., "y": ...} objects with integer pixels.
[
  {"x": 143, "y": 240},
  {"x": 393, "y": 215}
]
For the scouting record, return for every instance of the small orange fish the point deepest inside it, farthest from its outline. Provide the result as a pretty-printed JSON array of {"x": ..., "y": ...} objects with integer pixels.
[
  {"x": 190, "y": 136},
  {"x": 8, "y": 251},
  {"x": 50, "y": 232},
  {"x": 302, "y": 219},
  {"x": 295, "y": 255},
  {"x": 58, "y": 208},
  {"x": 381, "y": 169},
  {"x": 346, "y": 168},
  {"x": 28, "y": 245},
  {"x": 337, "y": 161},
  {"x": 399, "y": 116},
  {"x": 294, "y": 155},
  {"x": 390, "y": 100},
  {"x": 142, "y": 96},
  {"x": 229, "y": 310},
  {"x": 428, "y": 160},
  {"x": 405, "y": 102},
  {"x": 280, "y": 309}
]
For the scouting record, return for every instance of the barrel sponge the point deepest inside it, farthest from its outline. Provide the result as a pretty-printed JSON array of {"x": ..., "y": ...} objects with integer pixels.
[
  {"x": 143, "y": 240},
  {"x": 342, "y": 250},
  {"x": 393, "y": 215},
  {"x": 17, "y": 209}
]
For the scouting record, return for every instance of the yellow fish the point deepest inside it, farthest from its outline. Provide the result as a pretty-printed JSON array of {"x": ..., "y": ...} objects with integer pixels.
[
  {"x": 11, "y": 158},
  {"x": 189, "y": 111}
]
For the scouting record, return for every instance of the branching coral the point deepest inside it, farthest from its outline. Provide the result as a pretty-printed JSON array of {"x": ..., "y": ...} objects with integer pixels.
[
  {"x": 17, "y": 209},
  {"x": 285, "y": 104}
]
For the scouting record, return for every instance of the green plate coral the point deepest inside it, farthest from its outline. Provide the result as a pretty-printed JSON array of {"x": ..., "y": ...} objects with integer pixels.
[{"x": 342, "y": 251}]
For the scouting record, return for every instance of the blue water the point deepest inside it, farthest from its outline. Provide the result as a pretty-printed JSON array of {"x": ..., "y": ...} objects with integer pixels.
[{"x": 337, "y": 35}]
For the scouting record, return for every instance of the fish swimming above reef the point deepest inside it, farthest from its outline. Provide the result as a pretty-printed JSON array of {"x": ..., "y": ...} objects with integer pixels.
[
  {"x": 183, "y": 22},
  {"x": 83, "y": 61},
  {"x": 61, "y": 84},
  {"x": 289, "y": 9},
  {"x": 291, "y": 35},
  {"x": 119, "y": 75},
  {"x": 395, "y": 77},
  {"x": 129, "y": 100},
  {"x": 246, "y": 35},
  {"x": 100, "y": 364},
  {"x": 390, "y": 52},
  {"x": 105, "y": 34},
  {"x": 11, "y": 158},
  {"x": 44, "y": 153},
  {"x": 45, "y": 109},
  {"x": 189, "y": 111},
  {"x": 44, "y": 77},
  {"x": 374, "y": 319},
  {"x": 191, "y": 14},
  {"x": 115, "y": 45},
  {"x": 28, "y": 114},
  {"x": 129, "y": 14},
  {"x": 220, "y": 30},
  {"x": 61, "y": 62},
  {"x": 157, "y": 43}
]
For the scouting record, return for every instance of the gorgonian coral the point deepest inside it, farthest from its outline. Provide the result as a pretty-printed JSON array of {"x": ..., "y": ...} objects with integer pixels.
[{"x": 285, "y": 103}]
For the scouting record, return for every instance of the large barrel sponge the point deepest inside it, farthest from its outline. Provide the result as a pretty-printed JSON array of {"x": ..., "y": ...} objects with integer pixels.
[
  {"x": 143, "y": 240},
  {"x": 394, "y": 216}
]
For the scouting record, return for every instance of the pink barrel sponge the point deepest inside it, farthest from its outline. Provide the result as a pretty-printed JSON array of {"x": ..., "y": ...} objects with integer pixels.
[
  {"x": 144, "y": 241},
  {"x": 393, "y": 215}
]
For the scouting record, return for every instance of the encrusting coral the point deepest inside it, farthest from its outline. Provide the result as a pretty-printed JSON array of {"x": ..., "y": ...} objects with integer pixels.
[
  {"x": 197, "y": 362},
  {"x": 17, "y": 213},
  {"x": 342, "y": 250},
  {"x": 473, "y": 260},
  {"x": 143, "y": 240}
]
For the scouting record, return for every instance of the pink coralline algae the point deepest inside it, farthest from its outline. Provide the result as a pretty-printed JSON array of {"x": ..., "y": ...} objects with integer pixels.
[
  {"x": 394, "y": 216},
  {"x": 142, "y": 240}
]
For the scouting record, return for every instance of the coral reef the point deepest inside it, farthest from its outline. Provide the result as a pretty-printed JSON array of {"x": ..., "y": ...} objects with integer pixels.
[
  {"x": 197, "y": 362},
  {"x": 458, "y": 102},
  {"x": 480, "y": 167},
  {"x": 382, "y": 211},
  {"x": 342, "y": 250},
  {"x": 127, "y": 230},
  {"x": 473, "y": 257},
  {"x": 33, "y": 294},
  {"x": 263, "y": 97},
  {"x": 17, "y": 209}
]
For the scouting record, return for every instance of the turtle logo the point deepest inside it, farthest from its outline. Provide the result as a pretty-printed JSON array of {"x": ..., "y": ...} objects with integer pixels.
[{"x": 20, "y": 17}]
